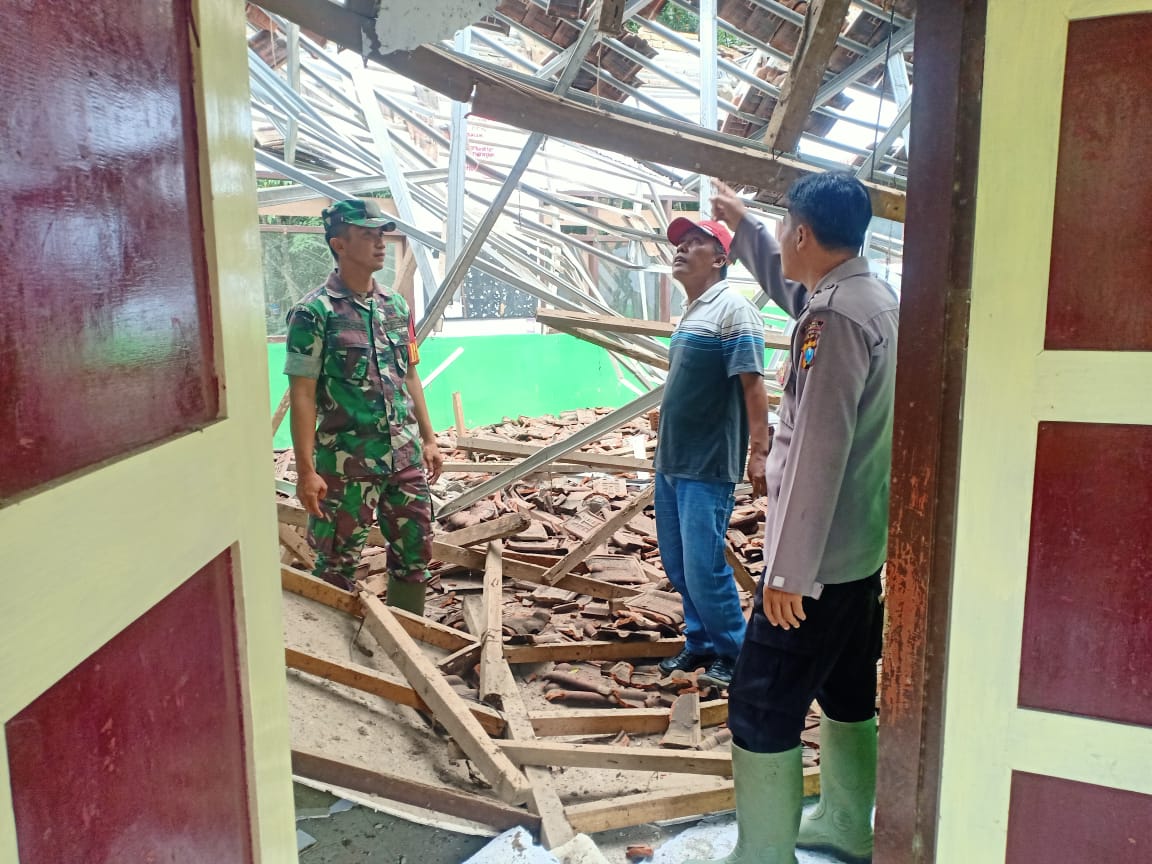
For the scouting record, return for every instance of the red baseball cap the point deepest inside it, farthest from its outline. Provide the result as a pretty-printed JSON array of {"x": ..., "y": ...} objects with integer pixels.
[{"x": 681, "y": 226}]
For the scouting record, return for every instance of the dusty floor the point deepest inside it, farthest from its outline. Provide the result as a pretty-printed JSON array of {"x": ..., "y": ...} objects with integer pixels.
[
  {"x": 355, "y": 727},
  {"x": 361, "y": 729}
]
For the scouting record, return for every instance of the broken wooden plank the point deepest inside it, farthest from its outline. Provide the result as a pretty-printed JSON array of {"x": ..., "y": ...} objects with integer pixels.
[
  {"x": 281, "y": 411},
  {"x": 823, "y": 21},
  {"x": 314, "y": 766},
  {"x": 297, "y": 545},
  {"x": 515, "y": 448},
  {"x": 562, "y": 320},
  {"x": 432, "y": 632},
  {"x": 447, "y": 707},
  {"x": 306, "y": 585},
  {"x": 683, "y": 723},
  {"x": 640, "y": 721},
  {"x": 545, "y": 801},
  {"x": 418, "y": 627},
  {"x": 378, "y": 684},
  {"x": 459, "y": 662},
  {"x": 493, "y": 529},
  {"x": 589, "y": 544},
  {"x": 744, "y": 579},
  {"x": 474, "y": 560},
  {"x": 492, "y": 634},
  {"x": 572, "y": 652},
  {"x": 628, "y": 811},
  {"x": 458, "y": 415},
  {"x": 604, "y": 342},
  {"x": 609, "y": 756}
]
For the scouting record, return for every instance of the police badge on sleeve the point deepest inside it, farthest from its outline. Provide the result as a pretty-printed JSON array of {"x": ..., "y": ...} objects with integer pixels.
[{"x": 811, "y": 341}]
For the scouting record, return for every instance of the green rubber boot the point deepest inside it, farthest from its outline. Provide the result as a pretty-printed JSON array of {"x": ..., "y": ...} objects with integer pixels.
[
  {"x": 408, "y": 596},
  {"x": 841, "y": 824},
  {"x": 769, "y": 788}
]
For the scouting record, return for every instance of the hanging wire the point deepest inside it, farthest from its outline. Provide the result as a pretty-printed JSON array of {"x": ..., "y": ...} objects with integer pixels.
[{"x": 883, "y": 87}]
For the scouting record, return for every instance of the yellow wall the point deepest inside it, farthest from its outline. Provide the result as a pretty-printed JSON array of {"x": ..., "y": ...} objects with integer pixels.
[
  {"x": 84, "y": 559},
  {"x": 1012, "y": 383}
]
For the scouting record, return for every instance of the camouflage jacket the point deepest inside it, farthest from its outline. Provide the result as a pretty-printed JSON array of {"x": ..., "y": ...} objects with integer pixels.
[{"x": 359, "y": 349}]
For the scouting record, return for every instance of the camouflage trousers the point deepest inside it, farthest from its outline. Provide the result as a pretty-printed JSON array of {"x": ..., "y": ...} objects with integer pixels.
[{"x": 402, "y": 506}]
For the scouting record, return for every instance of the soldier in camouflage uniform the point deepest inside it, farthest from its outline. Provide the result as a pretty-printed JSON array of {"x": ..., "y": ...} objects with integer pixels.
[{"x": 364, "y": 445}]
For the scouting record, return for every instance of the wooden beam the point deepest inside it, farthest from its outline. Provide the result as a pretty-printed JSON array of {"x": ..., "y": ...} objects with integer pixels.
[
  {"x": 458, "y": 415},
  {"x": 281, "y": 410},
  {"x": 678, "y": 144},
  {"x": 432, "y": 632},
  {"x": 617, "y": 348},
  {"x": 314, "y": 766},
  {"x": 305, "y": 585},
  {"x": 822, "y": 23},
  {"x": 611, "y": 20},
  {"x": 297, "y": 545},
  {"x": 562, "y": 320},
  {"x": 515, "y": 448},
  {"x": 739, "y": 571},
  {"x": 378, "y": 684},
  {"x": 474, "y": 559},
  {"x": 567, "y": 321},
  {"x": 641, "y": 721},
  {"x": 601, "y": 535},
  {"x": 612, "y": 757},
  {"x": 460, "y": 661},
  {"x": 493, "y": 529},
  {"x": 447, "y": 707},
  {"x": 572, "y": 652},
  {"x": 545, "y": 801},
  {"x": 628, "y": 811},
  {"x": 418, "y": 627},
  {"x": 492, "y": 634}
]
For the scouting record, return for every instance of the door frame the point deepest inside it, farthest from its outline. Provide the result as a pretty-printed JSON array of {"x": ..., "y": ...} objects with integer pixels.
[{"x": 931, "y": 359}]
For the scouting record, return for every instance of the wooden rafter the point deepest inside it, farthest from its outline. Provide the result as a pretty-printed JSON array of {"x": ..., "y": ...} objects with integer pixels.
[{"x": 822, "y": 24}]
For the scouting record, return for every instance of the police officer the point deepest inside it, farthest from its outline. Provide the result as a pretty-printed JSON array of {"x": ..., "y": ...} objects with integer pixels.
[
  {"x": 364, "y": 446},
  {"x": 816, "y": 625}
]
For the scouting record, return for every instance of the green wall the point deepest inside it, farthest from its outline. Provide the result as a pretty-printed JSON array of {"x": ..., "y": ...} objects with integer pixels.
[{"x": 499, "y": 376}]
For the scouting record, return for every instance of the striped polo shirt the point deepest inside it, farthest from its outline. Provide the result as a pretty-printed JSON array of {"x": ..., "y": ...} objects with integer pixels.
[{"x": 703, "y": 420}]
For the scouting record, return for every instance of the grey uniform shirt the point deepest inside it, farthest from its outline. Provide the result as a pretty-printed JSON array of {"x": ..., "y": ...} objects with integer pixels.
[{"x": 828, "y": 472}]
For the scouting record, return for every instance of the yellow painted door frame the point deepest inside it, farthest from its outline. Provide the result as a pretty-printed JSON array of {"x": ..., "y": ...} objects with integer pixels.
[{"x": 83, "y": 559}]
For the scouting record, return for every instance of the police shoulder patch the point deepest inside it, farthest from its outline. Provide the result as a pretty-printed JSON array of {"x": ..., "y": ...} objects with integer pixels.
[{"x": 811, "y": 342}]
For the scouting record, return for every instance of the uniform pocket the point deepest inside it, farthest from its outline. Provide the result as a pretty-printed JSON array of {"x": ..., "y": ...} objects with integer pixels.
[
  {"x": 347, "y": 356},
  {"x": 396, "y": 331}
]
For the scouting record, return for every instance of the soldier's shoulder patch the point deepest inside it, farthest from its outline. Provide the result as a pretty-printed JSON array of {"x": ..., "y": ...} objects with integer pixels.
[{"x": 811, "y": 342}]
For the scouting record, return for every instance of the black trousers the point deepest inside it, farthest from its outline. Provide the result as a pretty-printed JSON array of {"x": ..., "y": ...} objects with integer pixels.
[{"x": 830, "y": 657}]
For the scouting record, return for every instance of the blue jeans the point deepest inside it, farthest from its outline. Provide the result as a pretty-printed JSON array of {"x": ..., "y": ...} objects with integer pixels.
[{"x": 691, "y": 521}]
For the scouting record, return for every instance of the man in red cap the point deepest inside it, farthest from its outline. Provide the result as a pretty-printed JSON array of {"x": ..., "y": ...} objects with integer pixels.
[{"x": 714, "y": 402}]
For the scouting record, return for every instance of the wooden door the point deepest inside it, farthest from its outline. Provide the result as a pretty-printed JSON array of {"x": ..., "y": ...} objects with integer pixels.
[
  {"x": 1047, "y": 735},
  {"x": 142, "y": 677}
]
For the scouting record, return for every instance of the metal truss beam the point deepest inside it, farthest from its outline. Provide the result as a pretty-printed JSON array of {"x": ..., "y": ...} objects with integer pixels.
[{"x": 554, "y": 452}]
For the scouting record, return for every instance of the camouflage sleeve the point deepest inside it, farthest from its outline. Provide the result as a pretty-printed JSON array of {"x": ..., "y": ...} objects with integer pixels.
[
  {"x": 305, "y": 343},
  {"x": 413, "y": 346}
]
